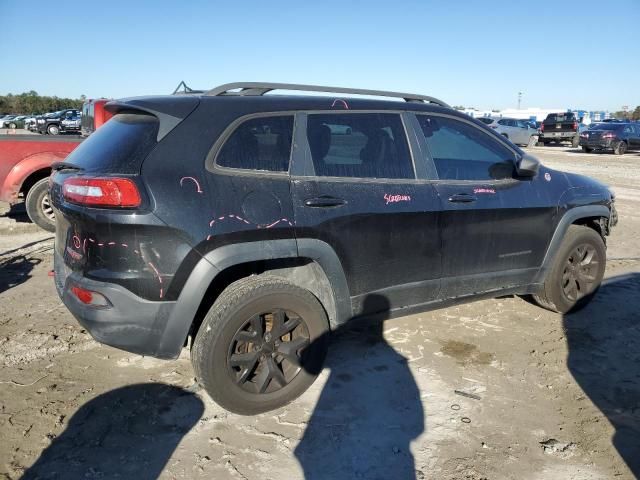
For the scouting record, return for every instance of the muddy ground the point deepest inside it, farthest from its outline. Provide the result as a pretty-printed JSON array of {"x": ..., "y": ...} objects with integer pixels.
[{"x": 554, "y": 397}]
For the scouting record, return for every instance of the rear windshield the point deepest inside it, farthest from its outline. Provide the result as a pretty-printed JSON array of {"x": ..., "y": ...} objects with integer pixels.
[
  {"x": 561, "y": 117},
  {"x": 118, "y": 146},
  {"x": 607, "y": 126}
]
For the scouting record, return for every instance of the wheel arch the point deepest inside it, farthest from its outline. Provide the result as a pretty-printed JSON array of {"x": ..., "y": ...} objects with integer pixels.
[
  {"x": 309, "y": 263},
  {"x": 587, "y": 215},
  {"x": 34, "y": 178}
]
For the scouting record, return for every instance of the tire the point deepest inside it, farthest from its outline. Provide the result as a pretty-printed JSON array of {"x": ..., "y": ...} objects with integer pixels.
[
  {"x": 620, "y": 148},
  {"x": 586, "y": 149},
  {"x": 533, "y": 141},
  {"x": 53, "y": 130},
  {"x": 540, "y": 143},
  {"x": 12, "y": 125},
  {"x": 557, "y": 293},
  {"x": 243, "y": 312},
  {"x": 575, "y": 141},
  {"x": 38, "y": 206}
]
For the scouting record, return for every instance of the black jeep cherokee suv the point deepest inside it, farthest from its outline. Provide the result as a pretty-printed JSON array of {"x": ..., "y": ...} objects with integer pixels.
[{"x": 256, "y": 223}]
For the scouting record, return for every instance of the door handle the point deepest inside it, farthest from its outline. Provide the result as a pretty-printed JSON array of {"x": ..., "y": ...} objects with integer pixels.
[
  {"x": 462, "y": 198},
  {"x": 324, "y": 202}
]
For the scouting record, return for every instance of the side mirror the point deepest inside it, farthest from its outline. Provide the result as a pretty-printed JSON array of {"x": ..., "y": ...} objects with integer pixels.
[{"x": 527, "y": 166}]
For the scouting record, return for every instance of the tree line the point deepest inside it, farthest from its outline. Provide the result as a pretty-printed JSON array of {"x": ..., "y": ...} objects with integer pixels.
[
  {"x": 627, "y": 114},
  {"x": 30, "y": 103}
]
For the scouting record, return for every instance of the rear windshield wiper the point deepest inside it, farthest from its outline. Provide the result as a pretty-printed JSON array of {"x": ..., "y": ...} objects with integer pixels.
[{"x": 57, "y": 166}]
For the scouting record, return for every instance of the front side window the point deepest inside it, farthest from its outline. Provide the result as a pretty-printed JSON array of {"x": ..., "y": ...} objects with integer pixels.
[
  {"x": 262, "y": 143},
  {"x": 463, "y": 152},
  {"x": 362, "y": 145}
]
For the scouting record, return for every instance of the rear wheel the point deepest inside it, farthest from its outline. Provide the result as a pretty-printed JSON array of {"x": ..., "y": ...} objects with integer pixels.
[
  {"x": 620, "y": 148},
  {"x": 586, "y": 149},
  {"x": 576, "y": 273},
  {"x": 261, "y": 345},
  {"x": 38, "y": 206},
  {"x": 53, "y": 130}
]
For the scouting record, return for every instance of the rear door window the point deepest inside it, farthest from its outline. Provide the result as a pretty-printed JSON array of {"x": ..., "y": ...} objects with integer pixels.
[
  {"x": 262, "y": 143},
  {"x": 361, "y": 145},
  {"x": 463, "y": 152}
]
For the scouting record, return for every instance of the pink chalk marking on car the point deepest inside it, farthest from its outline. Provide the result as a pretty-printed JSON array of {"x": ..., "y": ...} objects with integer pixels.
[
  {"x": 491, "y": 191},
  {"x": 346, "y": 106},
  {"x": 396, "y": 198},
  {"x": 198, "y": 189}
]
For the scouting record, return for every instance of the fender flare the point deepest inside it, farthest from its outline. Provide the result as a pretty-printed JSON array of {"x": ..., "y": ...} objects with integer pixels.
[
  {"x": 573, "y": 214},
  {"x": 180, "y": 319}
]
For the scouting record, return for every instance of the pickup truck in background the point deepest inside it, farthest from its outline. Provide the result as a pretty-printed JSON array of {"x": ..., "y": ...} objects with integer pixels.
[
  {"x": 52, "y": 122},
  {"x": 560, "y": 127},
  {"x": 25, "y": 165}
]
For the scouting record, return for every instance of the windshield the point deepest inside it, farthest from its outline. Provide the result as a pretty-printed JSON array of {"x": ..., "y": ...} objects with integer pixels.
[{"x": 607, "y": 126}]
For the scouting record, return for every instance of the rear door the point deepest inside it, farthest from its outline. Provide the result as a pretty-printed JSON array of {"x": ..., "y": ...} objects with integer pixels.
[
  {"x": 495, "y": 227},
  {"x": 355, "y": 188}
]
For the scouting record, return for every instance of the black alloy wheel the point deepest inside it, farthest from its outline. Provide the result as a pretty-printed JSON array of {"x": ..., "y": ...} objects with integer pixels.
[
  {"x": 265, "y": 353},
  {"x": 579, "y": 276}
]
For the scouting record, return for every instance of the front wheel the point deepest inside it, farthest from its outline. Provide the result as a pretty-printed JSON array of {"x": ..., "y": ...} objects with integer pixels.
[
  {"x": 261, "y": 345},
  {"x": 576, "y": 273},
  {"x": 575, "y": 141},
  {"x": 38, "y": 206},
  {"x": 53, "y": 130}
]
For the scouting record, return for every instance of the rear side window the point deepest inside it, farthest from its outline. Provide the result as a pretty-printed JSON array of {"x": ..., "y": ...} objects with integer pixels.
[
  {"x": 262, "y": 143},
  {"x": 463, "y": 152},
  {"x": 361, "y": 145},
  {"x": 119, "y": 146}
]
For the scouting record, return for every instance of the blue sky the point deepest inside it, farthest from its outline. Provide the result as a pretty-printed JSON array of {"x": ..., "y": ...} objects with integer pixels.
[{"x": 573, "y": 54}]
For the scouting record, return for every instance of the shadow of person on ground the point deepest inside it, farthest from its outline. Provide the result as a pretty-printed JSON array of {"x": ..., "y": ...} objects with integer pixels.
[
  {"x": 604, "y": 358},
  {"x": 16, "y": 270},
  {"x": 130, "y": 432},
  {"x": 369, "y": 410}
]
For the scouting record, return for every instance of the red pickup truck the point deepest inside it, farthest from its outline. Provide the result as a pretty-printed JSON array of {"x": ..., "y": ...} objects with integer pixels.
[{"x": 25, "y": 165}]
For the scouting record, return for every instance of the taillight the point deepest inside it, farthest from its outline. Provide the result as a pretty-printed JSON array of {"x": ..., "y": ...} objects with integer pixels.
[
  {"x": 575, "y": 125},
  {"x": 101, "y": 191},
  {"x": 542, "y": 127},
  {"x": 608, "y": 135}
]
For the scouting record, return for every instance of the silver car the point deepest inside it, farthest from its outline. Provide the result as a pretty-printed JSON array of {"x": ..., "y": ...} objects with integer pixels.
[{"x": 518, "y": 131}]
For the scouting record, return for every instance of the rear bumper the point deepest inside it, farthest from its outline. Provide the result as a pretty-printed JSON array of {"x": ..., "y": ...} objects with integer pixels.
[
  {"x": 600, "y": 144},
  {"x": 557, "y": 135},
  {"x": 131, "y": 323}
]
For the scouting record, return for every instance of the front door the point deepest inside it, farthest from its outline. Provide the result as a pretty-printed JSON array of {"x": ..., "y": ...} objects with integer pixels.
[
  {"x": 355, "y": 188},
  {"x": 495, "y": 226}
]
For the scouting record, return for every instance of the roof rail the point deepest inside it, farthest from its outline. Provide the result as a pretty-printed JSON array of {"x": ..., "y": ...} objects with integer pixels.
[{"x": 260, "y": 88}]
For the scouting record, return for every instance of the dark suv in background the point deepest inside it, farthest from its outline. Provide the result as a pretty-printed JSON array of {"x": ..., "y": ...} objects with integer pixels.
[{"x": 256, "y": 223}]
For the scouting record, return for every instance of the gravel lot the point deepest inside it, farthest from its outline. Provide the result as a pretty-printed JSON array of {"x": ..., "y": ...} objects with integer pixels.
[{"x": 555, "y": 397}]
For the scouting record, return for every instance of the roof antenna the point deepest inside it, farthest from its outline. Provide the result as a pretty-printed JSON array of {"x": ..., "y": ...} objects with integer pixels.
[{"x": 185, "y": 89}]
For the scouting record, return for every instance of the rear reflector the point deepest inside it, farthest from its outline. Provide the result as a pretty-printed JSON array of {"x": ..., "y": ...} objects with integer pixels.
[
  {"x": 101, "y": 192},
  {"x": 90, "y": 298}
]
